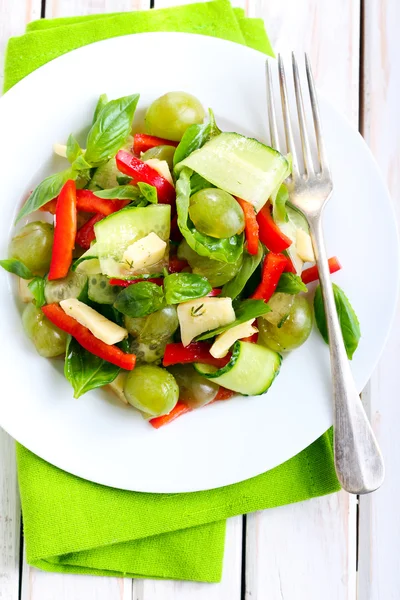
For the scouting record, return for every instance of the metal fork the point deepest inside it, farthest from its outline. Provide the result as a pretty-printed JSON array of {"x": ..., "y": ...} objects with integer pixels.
[{"x": 358, "y": 460}]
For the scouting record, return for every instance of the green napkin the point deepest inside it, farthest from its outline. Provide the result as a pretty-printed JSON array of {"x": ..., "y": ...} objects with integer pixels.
[{"x": 75, "y": 526}]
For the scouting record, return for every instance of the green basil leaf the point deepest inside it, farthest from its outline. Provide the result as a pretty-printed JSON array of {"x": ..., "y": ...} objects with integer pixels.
[
  {"x": 226, "y": 250},
  {"x": 81, "y": 164},
  {"x": 122, "y": 192},
  {"x": 101, "y": 102},
  {"x": 48, "y": 189},
  {"x": 244, "y": 311},
  {"x": 180, "y": 287},
  {"x": 140, "y": 299},
  {"x": 123, "y": 179},
  {"x": 110, "y": 130},
  {"x": 73, "y": 149},
  {"x": 233, "y": 288},
  {"x": 16, "y": 267},
  {"x": 85, "y": 371},
  {"x": 348, "y": 320},
  {"x": 37, "y": 286},
  {"x": 149, "y": 192},
  {"x": 195, "y": 137},
  {"x": 289, "y": 283}
]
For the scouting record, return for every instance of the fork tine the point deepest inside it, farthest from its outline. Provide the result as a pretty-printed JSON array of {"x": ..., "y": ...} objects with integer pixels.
[
  {"x": 273, "y": 129},
  {"x": 317, "y": 121},
  {"x": 286, "y": 117},
  {"x": 307, "y": 157}
]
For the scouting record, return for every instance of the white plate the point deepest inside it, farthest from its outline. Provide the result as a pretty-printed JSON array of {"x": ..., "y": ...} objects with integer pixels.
[{"x": 97, "y": 438}]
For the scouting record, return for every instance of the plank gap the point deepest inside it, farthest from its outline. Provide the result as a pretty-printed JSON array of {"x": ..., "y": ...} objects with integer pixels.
[
  {"x": 361, "y": 70},
  {"x": 243, "y": 574}
]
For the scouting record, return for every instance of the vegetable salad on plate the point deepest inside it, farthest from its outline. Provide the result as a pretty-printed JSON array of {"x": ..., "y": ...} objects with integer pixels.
[{"x": 169, "y": 264}]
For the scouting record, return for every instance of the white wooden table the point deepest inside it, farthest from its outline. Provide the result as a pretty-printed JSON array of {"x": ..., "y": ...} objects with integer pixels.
[{"x": 333, "y": 548}]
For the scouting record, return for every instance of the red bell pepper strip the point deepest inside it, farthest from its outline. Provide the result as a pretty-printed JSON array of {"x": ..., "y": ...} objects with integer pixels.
[
  {"x": 175, "y": 234},
  {"x": 86, "y": 201},
  {"x": 214, "y": 292},
  {"x": 50, "y": 206},
  {"x": 269, "y": 232},
  {"x": 195, "y": 352},
  {"x": 140, "y": 172},
  {"x": 223, "y": 394},
  {"x": 179, "y": 409},
  {"x": 176, "y": 265},
  {"x": 311, "y": 274},
  {"x": 128, "y": 282},
  {"x": 86, "y": 339},
  {"x": 64, "y": 232},
  {"x": 252, "y": 338},
  {"x": 272, "y": 269},
  {"x": 251, "y": 226},
  {"x": 289, "y": 267},
  {"x": 85, "y": 235},
  {"x": 143, "y": 142}
]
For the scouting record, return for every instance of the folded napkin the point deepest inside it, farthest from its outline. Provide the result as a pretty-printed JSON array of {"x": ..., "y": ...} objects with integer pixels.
[{"x": 76, "y": 526}]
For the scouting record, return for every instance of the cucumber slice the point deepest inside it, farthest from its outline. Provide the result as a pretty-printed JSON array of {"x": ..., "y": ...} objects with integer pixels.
[
  {"x": 251, "y": 370},
  {"x": 101, "y": 291},
  {"x": 241, "y": 166},
  {"x": 74, "y": 285},
  {"x": 88, "y": 263},
  {"x": 116, "y": 232}
]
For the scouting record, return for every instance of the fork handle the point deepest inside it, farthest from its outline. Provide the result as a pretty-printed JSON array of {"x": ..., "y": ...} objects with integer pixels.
[{"x": 358, "y": 459}]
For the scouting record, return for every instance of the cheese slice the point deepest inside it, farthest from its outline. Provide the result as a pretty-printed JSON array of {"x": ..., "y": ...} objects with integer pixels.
[
  {"x": 162, "y": 168},
  {"x": 24, "y": 292},
  {"x": 203, "y": 314},
  {"x": 105, "y": 330},
  {"x": 117, "y": 386},
  {"x": 145, "y": 252},
  {"x": 225, "y": 340},
  {"x": 304, "y": 246}
]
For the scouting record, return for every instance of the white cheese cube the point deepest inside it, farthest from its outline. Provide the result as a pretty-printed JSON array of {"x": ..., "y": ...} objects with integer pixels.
[
  {"x": 162, "y": 168},
  {"x": 197, "y": 316},
  {"x": 145, "y": 252},
  {"x": 225, "y": 340}
]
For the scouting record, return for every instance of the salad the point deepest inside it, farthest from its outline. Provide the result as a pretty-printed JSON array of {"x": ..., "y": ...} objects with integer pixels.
[{"x": 168, "y": 265}]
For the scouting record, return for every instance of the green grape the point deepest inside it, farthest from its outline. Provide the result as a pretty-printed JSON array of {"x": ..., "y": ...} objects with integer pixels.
[
  {"x": 33, "y": 245},
  {"x": 152, "y": 390},
  {"x": 152, "y": 333},
  {"x": 162, "y": 153},
  {"x": 194, "y": 390},
  {"x": 291, "y": 331},
  {"x": 216, "y": 213},
  {"x": 49, "y": 341},
  {"x": 170, "y": 115},
  {"x": 217, "y": 272}
]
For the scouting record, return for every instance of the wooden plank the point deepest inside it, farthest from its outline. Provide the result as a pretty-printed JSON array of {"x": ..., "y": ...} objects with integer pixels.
[
  {"x": 10, "y": 520},
  {"x": 38, "y": 585},
  {"x": 74, "y": 8},
  {"x": 13, "y": 19},
  {"x": 379, "y": 533},
  {"x": 310, "y": 546},
  {"x": 228, "y": 589}
]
